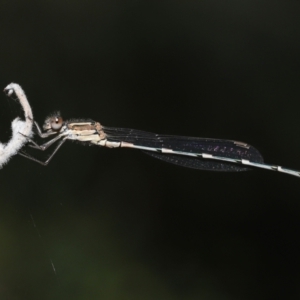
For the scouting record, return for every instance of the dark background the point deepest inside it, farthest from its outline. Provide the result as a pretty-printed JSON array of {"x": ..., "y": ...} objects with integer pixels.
[{"x": 117, "y": 224}]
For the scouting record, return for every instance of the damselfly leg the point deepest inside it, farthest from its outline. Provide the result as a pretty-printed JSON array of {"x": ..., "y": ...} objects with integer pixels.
[
  {"x": 44, "y": 146},
  {"x": 44, "y": 163}
]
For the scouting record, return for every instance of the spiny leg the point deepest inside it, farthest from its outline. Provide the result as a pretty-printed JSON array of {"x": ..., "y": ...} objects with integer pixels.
[
  {"x": 42, "y": 134},
  {"x": 24, "y": 154},
  {"x": 43, "y": 146}
]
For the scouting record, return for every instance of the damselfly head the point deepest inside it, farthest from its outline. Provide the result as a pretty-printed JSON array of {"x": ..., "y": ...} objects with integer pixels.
[{"x": 53, "y": 122}]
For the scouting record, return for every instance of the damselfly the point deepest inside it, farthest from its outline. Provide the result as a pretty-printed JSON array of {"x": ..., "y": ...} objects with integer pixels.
[{"x": 191, "y": 152}]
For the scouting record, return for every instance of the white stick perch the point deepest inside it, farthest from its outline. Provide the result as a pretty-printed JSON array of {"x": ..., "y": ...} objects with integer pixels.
[{"x": 20, "y": 129}]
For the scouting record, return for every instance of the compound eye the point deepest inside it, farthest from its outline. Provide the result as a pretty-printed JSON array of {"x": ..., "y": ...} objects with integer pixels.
[{"x": 56, "y": 123}]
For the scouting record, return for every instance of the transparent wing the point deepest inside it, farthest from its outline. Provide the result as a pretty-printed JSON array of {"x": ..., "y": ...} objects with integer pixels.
[{"x": 216, "y": 147}]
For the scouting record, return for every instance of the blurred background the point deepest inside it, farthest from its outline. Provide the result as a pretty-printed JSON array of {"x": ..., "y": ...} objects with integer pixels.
[{"x": 117, "y": 224}]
